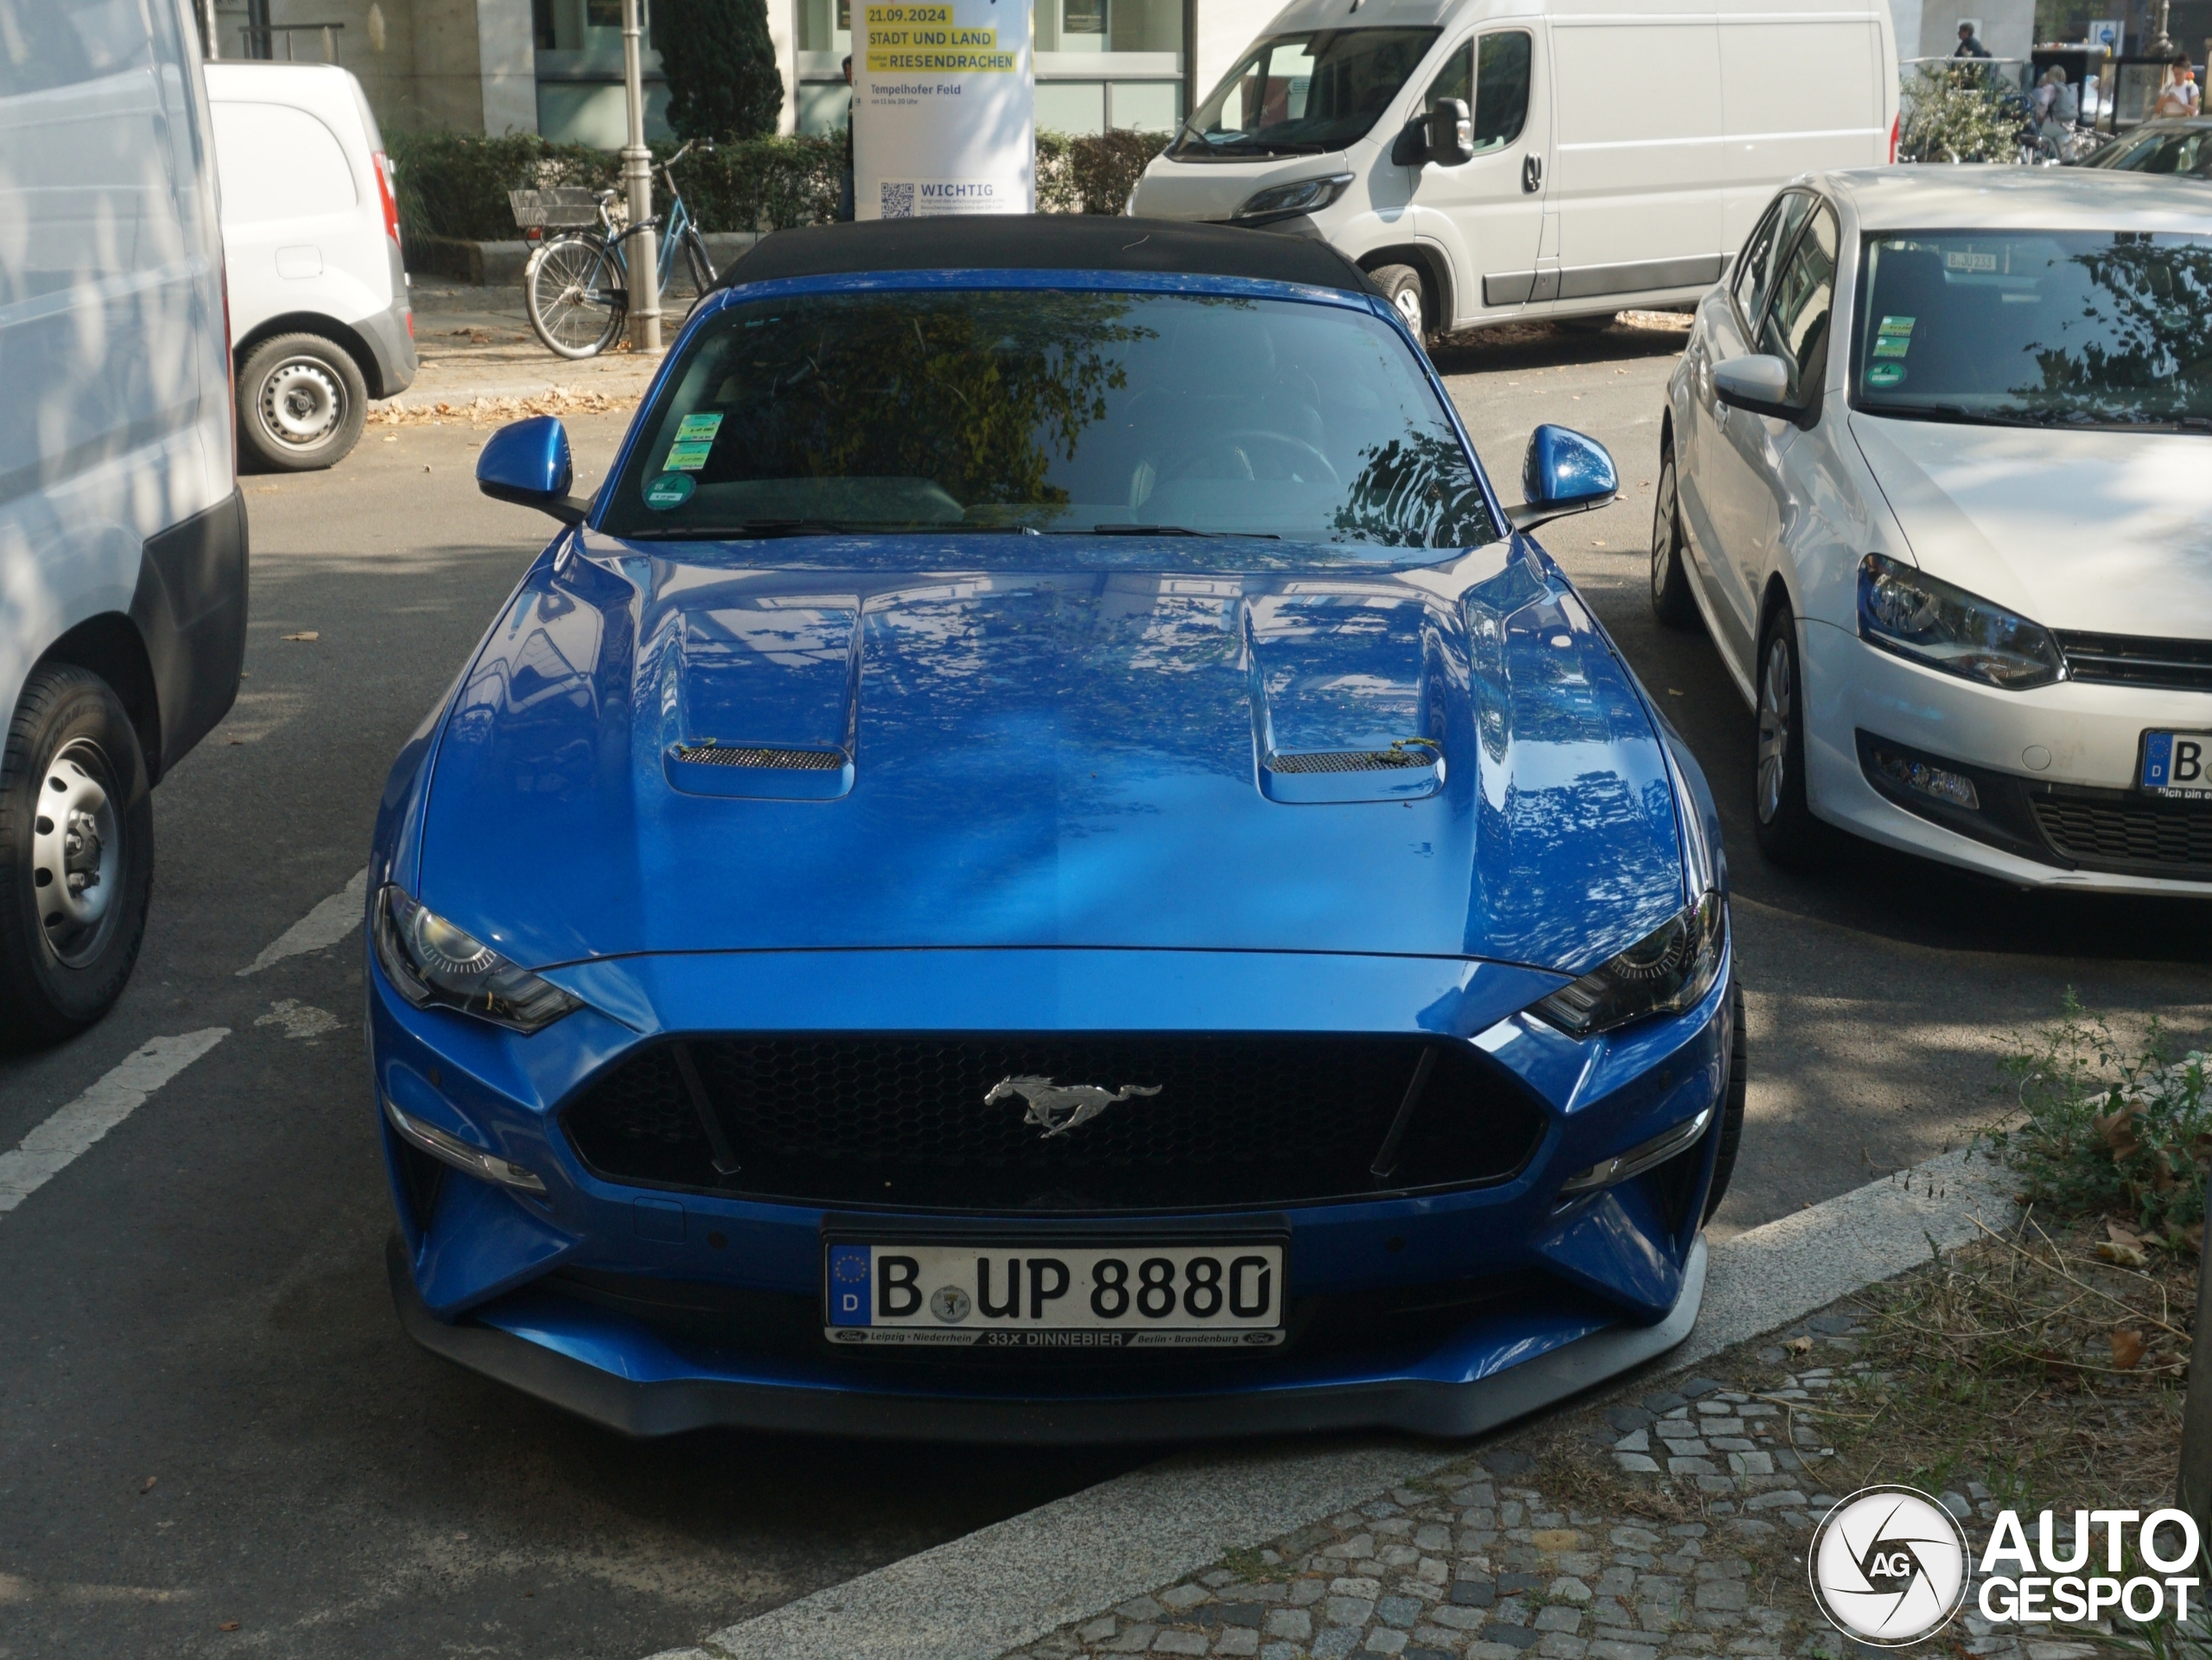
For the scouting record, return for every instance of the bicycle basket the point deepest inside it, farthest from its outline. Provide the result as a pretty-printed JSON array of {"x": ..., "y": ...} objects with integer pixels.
[{"x": 562, "y": 208}]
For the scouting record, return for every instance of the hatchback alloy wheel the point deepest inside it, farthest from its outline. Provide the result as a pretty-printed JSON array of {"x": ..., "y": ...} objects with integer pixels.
[{"x": 1777, "y": 700}]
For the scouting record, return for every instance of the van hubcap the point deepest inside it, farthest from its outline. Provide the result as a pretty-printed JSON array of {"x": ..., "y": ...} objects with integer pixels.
[
  {"x": 1777, "y": 698},
  {"x": 76, "y": 852},
  {"x": 1408, "y": 300},
  {"x": 301, "y": 402}
]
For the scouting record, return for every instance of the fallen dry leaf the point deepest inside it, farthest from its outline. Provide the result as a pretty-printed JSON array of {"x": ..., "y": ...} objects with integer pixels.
[
  {"x": 2126, "y": 1348},
  {"x": 1799, "y": 1345},
  {"x": 228, "y": 1625},
  {"x": 2125, "y": 1255},
  {"x": 2193, "y": 1236},
  {"x": 147, "y": 1485},
  {"x": 310, "y": 635}
]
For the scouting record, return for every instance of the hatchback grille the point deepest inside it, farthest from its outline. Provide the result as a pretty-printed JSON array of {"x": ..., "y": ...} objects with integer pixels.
[
  {"x": 2155, "y": 837},
  {"x": 903, "y": 1123},
  {"x": 2138, "y": 660}
]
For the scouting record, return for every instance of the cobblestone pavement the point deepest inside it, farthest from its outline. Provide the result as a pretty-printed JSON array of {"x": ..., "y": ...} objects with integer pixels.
[{"x": 1669, "y": 1526}]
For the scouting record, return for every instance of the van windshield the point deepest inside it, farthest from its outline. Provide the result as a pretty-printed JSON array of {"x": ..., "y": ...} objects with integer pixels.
[
  {"x": 2061, "y": 328},
  {"x": 930, "y": 410},
  {"x": 1303, "y": 94}
]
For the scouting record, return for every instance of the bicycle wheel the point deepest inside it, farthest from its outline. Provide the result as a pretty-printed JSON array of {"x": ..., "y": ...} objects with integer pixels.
[
  {"x": 697, "y": 266},
  {"x": 572, "y": 290}
]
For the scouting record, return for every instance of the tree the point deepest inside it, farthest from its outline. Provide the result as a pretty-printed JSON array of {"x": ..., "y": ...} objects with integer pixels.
[{"x": 722, "y": 78}]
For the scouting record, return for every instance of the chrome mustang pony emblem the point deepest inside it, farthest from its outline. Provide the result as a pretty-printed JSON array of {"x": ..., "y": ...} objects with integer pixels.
[{"x": 1048, "y": 1100}]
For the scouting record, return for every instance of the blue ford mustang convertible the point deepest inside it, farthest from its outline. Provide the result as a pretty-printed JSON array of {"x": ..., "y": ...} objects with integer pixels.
[{"x": 1046, "y": 861}]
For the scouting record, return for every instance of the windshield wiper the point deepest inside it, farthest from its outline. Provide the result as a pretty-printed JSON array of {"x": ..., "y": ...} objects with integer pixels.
[
  {"x": 768, "y": 528},
  {"x": 1162, "y": 530},
  {"x": 2065, "y": 420}
]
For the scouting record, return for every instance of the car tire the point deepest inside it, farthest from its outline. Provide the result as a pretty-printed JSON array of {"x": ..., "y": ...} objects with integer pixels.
[
  {"x": 1400, "y": 286},
  {"x": 1732, "y": 1107},
  {"x": 301, "y": 404},
  {"x": 71, "y": 765},
  {"x": 1787, "y": 833},
  {"x": 1671, "y": 600}
]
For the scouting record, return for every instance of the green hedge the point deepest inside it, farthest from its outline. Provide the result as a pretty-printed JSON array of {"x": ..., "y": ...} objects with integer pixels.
[{"x": 455, "y": 184}]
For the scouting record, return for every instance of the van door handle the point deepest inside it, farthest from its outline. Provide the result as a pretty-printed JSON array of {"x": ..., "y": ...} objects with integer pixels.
[{"x": 1532, "y": 173}]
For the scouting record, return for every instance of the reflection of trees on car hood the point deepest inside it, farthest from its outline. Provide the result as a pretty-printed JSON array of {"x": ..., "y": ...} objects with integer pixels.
[{"x": 976, "y": 393}]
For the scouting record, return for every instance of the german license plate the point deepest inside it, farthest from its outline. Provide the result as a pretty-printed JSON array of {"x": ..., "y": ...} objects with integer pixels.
[
  {"x": 1211, "y": 1296},
  {"x": 2178, "y": 765}
]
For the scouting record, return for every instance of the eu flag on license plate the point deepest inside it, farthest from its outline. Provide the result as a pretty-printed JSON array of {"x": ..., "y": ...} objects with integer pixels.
[
  {"x": 2157, "y": 759},
  {"x": 848, "y": 1285}
]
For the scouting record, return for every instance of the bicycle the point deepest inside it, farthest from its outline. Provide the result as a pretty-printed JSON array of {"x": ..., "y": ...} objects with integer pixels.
[{"x": 576, "y": 286}]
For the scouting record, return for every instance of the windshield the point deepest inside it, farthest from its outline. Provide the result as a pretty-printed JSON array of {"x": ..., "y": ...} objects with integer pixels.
[
  {"x": 1304, "y": 93},
  {"x": 1021, "y": 409},
  {"x": 2041, "y": 328},
  {"x": 2160, "y": 149}
]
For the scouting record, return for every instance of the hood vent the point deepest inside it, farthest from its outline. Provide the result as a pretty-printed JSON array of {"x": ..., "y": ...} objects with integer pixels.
[
  {"x": 758, "y": 772},
  {"x": 1408, "y": 770},
  {"x": 1351, "y": 761}
]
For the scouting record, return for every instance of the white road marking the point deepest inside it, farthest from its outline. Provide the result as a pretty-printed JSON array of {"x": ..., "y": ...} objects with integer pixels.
[
  {"x": 299, "y": 1020},
  {"x": 48, "y": 1149},
  {"x": 324, "y": 926}
]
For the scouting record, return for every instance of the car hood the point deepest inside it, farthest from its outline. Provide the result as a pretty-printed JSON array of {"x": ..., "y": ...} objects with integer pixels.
[
  {"x": 2108, "y": 532},
  {"x": 1061, "y": 756}
]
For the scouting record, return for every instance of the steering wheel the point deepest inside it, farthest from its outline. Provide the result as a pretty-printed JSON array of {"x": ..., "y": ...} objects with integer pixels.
[{"x": 1232, "y": 446}]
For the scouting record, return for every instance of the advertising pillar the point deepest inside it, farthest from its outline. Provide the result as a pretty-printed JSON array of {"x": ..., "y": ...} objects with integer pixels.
[{"x": 944, "y": 109}]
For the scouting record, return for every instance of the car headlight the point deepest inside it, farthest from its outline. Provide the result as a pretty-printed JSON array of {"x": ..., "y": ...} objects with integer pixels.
[
  {"x": 433, "y": 964},
  {"x": 1931, "y": 622},
  {"x": 1282, "y": 201},
  {"x": 1663, "y": 973}
]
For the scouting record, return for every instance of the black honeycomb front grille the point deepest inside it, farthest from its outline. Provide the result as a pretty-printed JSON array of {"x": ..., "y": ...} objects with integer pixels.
[
  {"x": 904, "y": 1123},
  {"x": 2109, "y": 830}
]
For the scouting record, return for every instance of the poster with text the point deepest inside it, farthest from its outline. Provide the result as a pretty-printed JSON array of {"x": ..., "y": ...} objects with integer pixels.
[{"x": 944, "y": 109}]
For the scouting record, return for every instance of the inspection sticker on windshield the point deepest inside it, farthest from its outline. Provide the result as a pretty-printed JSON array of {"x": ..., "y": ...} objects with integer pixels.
[
  {"x": 698, "y": 428},
  {"x": 669, "y": 490},
  {"x": 2177, "y": 764},
  {"x": 1883, "y": 376},
  {"x": 686, "y": 458},
  {"x": 1894, "y": 338},
  {"x": 1144, "y": 1294}
]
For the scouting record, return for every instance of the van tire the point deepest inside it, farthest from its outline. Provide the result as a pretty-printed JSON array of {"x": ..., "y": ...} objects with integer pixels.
[
  {"x": 63, "y": 966},
  {"x": 1400, "y": 286},
  {"x": 301, "y": 404}
]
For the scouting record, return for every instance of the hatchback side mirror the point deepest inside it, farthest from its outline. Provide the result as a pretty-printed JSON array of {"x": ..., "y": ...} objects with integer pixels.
[
  {"x": 1760, "y": 384},
  {"x": 1562, "y": 473},
  {"x": 528, "y": 463},
  {"x": 1451, "y": 132}
]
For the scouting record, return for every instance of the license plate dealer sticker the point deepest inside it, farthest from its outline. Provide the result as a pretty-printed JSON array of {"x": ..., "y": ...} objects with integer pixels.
[
  {"x": 1219, "y": 1294},
  {"x": 2178, "y": 765}
]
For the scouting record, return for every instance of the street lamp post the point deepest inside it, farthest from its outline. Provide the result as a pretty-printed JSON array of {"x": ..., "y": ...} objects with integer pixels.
[{"x": 637, "y": 178}]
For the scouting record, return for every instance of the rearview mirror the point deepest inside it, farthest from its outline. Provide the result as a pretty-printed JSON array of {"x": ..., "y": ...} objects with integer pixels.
[
  {"x": 528, "y": 463},
  {"x": 1760, "y": 384},
  {"x": 1562, "y": 473},
  {"x": 1451, "y": 132}
]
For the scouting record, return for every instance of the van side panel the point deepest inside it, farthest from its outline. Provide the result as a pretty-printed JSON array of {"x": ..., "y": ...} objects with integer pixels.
[
  {"x": 190, "y": 607},
  {"x": 1803, "y": 95},
  {"x": 1639, "y": 174}
]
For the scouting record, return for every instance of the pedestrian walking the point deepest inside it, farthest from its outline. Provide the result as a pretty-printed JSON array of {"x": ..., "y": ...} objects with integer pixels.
[{"x": 1970, "y": 44}]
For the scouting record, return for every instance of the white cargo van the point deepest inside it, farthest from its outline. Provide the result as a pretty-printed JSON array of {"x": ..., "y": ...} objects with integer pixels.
[
  {"x": 123, "y": 537},
  {"x": 318, "y": 292},
  {"x": 1495, "y": 159}
]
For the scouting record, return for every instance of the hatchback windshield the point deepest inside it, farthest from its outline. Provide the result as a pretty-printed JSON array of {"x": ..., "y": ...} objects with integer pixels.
[
  {"x": 2043, "y": 327},
  {"x": 1051, "y": 410},
  {"x": 2161, "y": 147},
  {"x": 1304, "y": 93}
]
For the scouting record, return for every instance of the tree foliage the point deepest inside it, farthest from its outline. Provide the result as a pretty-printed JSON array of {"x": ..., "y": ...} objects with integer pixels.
[{"x": 723, "y": 78}]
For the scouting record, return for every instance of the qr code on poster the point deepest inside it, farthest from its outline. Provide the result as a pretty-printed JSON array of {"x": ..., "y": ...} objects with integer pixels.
[{"x": 898, "y": 200}]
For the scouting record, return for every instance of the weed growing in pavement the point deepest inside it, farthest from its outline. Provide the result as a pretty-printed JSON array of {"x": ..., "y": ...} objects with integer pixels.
[{"x": 2112, "y": 1128}]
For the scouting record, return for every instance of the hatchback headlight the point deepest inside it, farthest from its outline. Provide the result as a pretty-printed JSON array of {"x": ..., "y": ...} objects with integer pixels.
[
  {"x": 1307, "y": 196},
  {"x": 1663, "y": 973},
  {"x": 1931, "y": 622},
  {"x": 433, "y": 964}
]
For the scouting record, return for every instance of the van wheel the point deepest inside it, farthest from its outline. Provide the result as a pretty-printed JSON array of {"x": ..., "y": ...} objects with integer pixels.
[
  {"x": 1401, "y": 285},
  {"x": 1787, "y": 833},
  {"x": 1671, "y": 601},
  {"x": 76, "y": 856},
  {"x": 301, "y": 402}
]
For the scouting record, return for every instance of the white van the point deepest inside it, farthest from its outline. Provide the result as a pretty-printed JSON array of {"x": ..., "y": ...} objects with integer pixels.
[
  {"x": 122, "y": 536},
  {"x": 318, "y": 292},
  {"x": 1489, "y": 160}
]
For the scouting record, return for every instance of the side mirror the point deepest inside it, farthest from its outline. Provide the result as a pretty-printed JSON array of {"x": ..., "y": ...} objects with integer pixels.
[
  {"x": 1760, "y": 384},
  {"x": 1451, "y": 132},
  {"x": 1563, "y": 472},
  {"x": 528, "y": 463}
]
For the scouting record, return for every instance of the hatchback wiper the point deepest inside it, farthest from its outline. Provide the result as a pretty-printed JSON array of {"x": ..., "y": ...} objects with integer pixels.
[
  {"x": 2062, "y": 419},
  {"x": 1163, "y": 530},
  {"x": 768, "y": 528}
]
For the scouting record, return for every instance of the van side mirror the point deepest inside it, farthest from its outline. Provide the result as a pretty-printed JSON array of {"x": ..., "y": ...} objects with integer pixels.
[
  {"x": 1451, "y": 132},
  {"x": 1759, "y": 384},
  {"x": 528, "y": 464},
  {"x": 1562, "y": 473}
]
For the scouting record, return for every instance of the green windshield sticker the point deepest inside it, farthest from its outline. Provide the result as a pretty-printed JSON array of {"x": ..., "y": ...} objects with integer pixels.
[
  {"x": 1894, "y": 338},
  {"x": 698, "y": 428},
  {"x": 670, "y": 490},
  {"x": 686, "y": 457},
  {"x": 1883, "y": 376}
]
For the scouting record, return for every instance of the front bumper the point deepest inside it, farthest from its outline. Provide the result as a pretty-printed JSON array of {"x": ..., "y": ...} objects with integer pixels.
[{"x": 591, "y": 1297}]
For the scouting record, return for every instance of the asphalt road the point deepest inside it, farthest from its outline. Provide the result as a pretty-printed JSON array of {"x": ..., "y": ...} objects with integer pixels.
[{"x": 209, "y": 1417}]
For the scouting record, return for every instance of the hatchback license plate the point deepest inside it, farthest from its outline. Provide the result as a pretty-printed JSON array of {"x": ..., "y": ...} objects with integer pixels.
[
  {"x": 1221, "y": 1293},
  {"x": 2178, "y": 765}
]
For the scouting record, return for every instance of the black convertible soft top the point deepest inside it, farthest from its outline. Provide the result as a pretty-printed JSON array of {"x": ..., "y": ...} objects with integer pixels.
[{"x": 1047, "y": 242}]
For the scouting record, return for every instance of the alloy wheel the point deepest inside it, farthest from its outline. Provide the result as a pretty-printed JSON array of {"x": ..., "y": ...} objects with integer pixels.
[
  {"x": 76, "y": 853},
  {"x": 1777, "y": 700},
  {"x": 1663, "y": 531}
]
